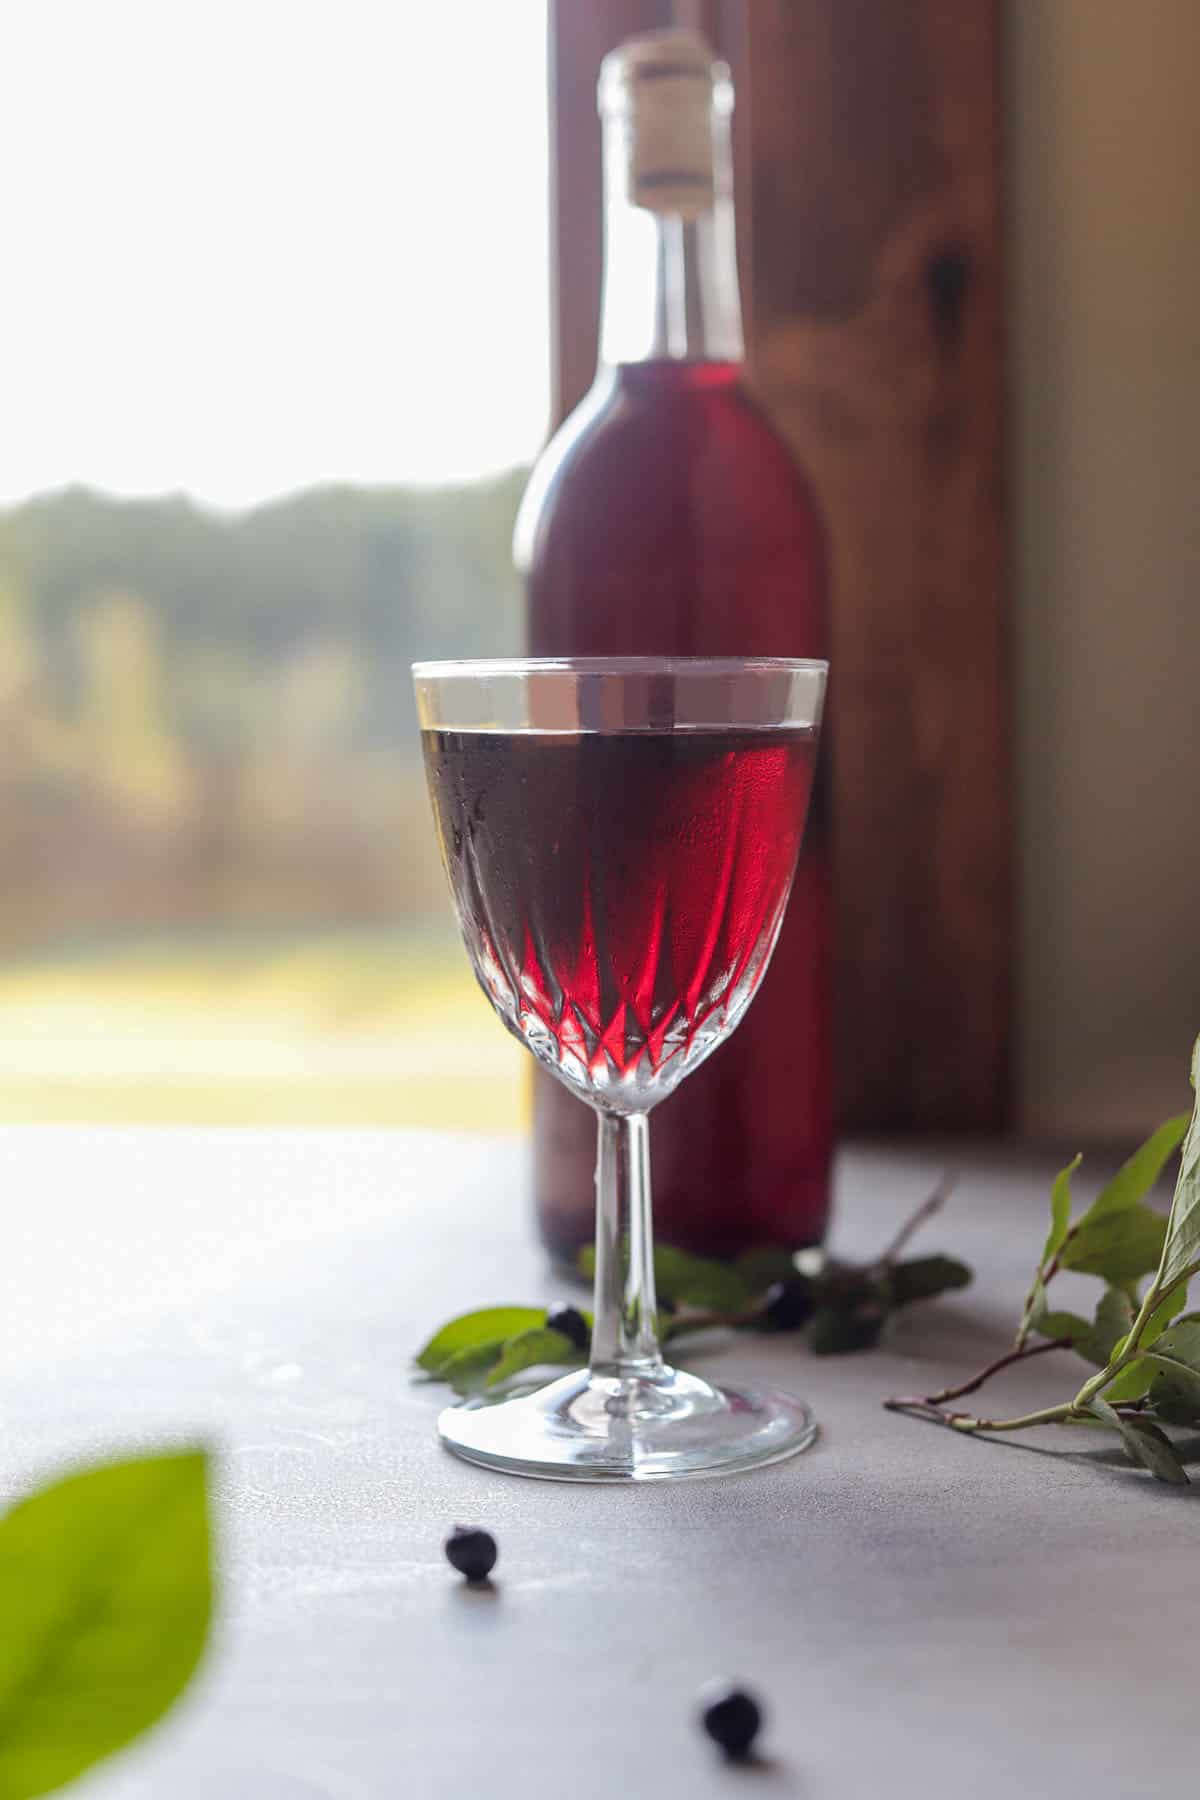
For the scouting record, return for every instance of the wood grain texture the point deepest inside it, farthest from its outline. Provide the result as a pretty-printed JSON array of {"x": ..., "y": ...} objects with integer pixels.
[
  {"x": 875, "y": 213},
  {"x": 868, "y": 162}
]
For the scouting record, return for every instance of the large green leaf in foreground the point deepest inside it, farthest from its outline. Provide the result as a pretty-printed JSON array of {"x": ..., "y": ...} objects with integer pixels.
[{"x": 105, "y": 1598}]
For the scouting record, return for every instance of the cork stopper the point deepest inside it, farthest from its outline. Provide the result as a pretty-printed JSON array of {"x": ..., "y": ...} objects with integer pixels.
[{"x": 661, "y": 90}]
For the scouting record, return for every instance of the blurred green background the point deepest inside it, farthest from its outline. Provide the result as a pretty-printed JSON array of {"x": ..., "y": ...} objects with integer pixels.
[
  {"x": 223, "y": 901},
  {"x": 275, "y": 350}
]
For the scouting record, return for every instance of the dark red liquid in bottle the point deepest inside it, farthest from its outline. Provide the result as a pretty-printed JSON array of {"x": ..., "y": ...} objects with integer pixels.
[
  {"x": 619, "y": 892},
  {"x": 669, "y": 519}
]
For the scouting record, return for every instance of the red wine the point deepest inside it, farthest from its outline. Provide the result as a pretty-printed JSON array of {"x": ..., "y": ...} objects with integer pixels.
[
  {"x": 666, "y": 517},
  {"x": 620, "y": 893}
]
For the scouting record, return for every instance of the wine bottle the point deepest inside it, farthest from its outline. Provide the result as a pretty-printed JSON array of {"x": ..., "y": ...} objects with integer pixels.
[{"x": 667, "y": 517}]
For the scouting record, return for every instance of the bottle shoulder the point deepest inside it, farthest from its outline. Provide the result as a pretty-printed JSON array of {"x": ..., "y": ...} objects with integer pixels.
[
  {"x": 648, "y": 440},
  {"x": 564, "y": 446}
]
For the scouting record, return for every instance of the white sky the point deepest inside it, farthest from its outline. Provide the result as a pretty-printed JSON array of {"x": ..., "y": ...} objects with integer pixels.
[{"x": 246, "y": 245}]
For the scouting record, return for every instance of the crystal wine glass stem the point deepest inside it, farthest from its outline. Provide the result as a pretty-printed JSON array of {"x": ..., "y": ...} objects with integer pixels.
[{"x": 624, "y": 1337}]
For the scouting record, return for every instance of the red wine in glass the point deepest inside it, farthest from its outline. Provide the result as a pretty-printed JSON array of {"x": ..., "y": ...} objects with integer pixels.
[{"x": 620, "y": 892}]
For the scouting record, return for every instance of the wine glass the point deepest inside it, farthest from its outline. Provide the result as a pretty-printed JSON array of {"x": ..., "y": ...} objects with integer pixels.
[{"x": 620, "y": 837}]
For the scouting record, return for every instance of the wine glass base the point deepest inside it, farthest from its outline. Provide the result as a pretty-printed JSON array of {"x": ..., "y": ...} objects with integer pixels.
[{"x": 662, "y": 1425}]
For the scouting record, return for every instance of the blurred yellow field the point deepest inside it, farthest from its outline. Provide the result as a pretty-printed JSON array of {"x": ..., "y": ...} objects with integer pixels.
[{"x": 329, "y": 1028}]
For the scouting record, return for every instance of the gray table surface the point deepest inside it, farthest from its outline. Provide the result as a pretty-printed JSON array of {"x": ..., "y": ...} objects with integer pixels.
[{"x": 925, "y": 1615}]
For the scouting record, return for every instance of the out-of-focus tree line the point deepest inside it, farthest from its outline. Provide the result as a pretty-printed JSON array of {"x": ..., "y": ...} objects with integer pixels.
[{"x": 208, "y": 717}]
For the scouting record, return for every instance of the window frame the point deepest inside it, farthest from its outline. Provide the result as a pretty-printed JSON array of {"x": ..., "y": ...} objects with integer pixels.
[{"x": 890, "y": 391}]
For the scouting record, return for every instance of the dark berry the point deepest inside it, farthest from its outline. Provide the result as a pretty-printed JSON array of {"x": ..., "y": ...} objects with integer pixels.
[
  {"x": 471, "y": 1551},
  {"x": 731, "y": 1718},
  {"x": 571, "y": 1322},
  {"x": 789, "y": 1304}
]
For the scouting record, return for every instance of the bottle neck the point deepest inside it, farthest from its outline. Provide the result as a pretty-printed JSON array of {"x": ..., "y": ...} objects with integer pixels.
[{"x": 670, "y": 277}]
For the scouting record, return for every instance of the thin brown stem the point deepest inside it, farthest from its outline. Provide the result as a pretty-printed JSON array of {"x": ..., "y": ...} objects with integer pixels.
[
  {"x": 968, "y": 1422},
  {"x": 916, "y": 1408},
  {"x": 931, "y": 1204},
  {"x": 1055, "y": 1264},
  {"x": 1046, "y": 1415},
  {"x": 1043, "y": 1275},
  {"x": 993, "y": 1368}
]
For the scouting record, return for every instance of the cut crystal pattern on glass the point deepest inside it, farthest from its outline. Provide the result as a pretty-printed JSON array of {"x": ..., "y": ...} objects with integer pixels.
[{"x": 620, "y": 893}]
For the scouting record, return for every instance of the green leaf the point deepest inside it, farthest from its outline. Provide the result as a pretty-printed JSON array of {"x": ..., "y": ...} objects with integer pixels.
[
  {"x": 1148, "y": 1444},
  {"x": 490, "y": 1325},
  {"x": 924, "y": 1277},
  {"x": 1175, "y": 1390},
  {"x": 467, "y": 1370},
  {"x": 758, "y": 1269},
  {"x": 1058, "y": 1324},
  {"x": 1134, "y": 1179},
  {"x": 1114, "y": 1316},
  {"x": 1177, "y": 1402},
  {"x": 1183, "y": 1338},
  {"x": 1144, "y": 1443},
  {"x": 1120, "y": 1247},
  {"x": 1182, "y": 1254},
  {"x": 689, "y": 1280},
  {"x": 1060, "y": 1212},
  {"x": 837, "y": 1330},
  {"x": 1176, "y": 1353},
  {"x": 1131, "y": 1384},
  {"x": 1163, "y": 1313},
  {"x": 107, "y": 1597},
  {"x": 530, "y": 1349},
  {"x": 699, "y": 1281}
]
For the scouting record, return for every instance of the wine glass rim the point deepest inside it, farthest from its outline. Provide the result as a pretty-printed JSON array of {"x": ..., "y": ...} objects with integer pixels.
[{"x": 487, "y": 666}]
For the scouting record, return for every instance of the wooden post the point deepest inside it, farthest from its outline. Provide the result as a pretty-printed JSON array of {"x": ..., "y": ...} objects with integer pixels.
[{"x": 867, "y": 144}]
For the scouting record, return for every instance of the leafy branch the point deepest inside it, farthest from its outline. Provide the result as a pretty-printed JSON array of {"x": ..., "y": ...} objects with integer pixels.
[
  {"x": 841, "y": 1306},
  {"x": 1144, "y": 1347}
]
